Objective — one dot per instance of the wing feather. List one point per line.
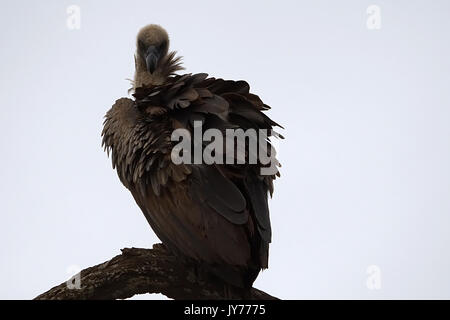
(217, 214)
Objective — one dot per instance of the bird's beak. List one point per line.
(151, 58)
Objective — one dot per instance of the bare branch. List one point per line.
(138, 271)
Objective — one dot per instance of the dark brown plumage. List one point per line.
(215, 215)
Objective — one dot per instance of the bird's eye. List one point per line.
(141, 46)
(163, 46)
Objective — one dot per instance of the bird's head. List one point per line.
(154, 62)
(152, 46)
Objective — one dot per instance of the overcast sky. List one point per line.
(365, 183)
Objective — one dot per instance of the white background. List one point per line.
(365, 177)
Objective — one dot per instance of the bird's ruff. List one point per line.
(168, 67)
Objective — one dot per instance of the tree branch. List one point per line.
(138, 271)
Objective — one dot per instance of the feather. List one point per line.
(216, 215)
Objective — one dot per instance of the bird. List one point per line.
(215, 216)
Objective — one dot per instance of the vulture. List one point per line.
(215, 215)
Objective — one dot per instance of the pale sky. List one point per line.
(365, 177)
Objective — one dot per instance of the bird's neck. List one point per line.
(144, 78)
(168, 66)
